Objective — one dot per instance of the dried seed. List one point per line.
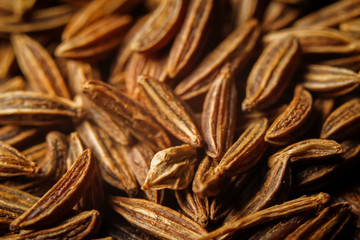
(318, 41)
(13, 163)
(77, 227)
(343, 121)
(144, 64)
(235, 49)
(112, 165)
(196, 208)
(59, 200)
(191, 38)
(138, 157)
(157, 220)
(13, 84)
(95, 39)
(17, 136)
(13, 203)
(285, 127)
(35, 109)
(330, 81)
(206, 183)
(219, 113)
(94, 11)
(329, 17)
(138, 120)
(326, 225)
(7, 59)
(274, 190)
(169, 110)
(171, 168)
(160, 27)
(308, 151)
(38, 66)
(279, 15)
(246, 151)
(286, 209)
(40, 20)
(271, 74)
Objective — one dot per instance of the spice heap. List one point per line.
(175, 119)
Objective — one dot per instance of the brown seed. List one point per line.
(112, 165)
(96, 39)
(296, 115)
(191, 39)
(318, 41)
(38, 66)
(196, 208)
(326, 225)
(246, 151)
(59, 200)
(77, 227)
(343, 121)
(170, 111)
(271, 74)
(40, 20)
(329, 17)
(13, 163)
(35, 109)
(138, 120)
(330, 81)
(13, 203)
(286, 209)
(160, 27)
(94, 11)
(235, 49)
(157, 220)
(219, 113)
(171, 168)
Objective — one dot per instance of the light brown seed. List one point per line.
(77, 227)
(271, 74)
(196, 208)
(53, 166)
(7, 59)
(152, 65)
(171, 168)
(191, 39)
(157, 220)
(35, 109)
(38, 66)
(13, 163)
(292, 207)
(138, 157)
(246, 151)
(329, 17)
(279, 15)
(309, 150)
(286, 127)
(274, 190)
(59, 200)
(138, 120)
(342, 122)
(112, 165)
(93, 12)
(326, 225)
(13, 203)
(160, 27)
(169, 110)
(40, 20)
(96, 39)
(13, 84)
(235, 49)
(318, 41)
(219, 113)
(17, 136)
(330, 81)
